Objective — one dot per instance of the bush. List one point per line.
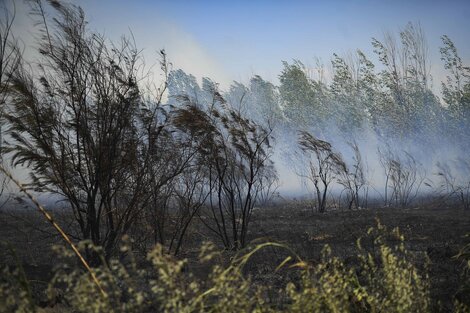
(382, 278)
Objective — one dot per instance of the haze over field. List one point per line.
(308, 66)
(317, 153)
(231, 43)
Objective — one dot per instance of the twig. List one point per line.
(58, 228)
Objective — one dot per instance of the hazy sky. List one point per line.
(231, 40)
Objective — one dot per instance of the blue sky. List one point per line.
(232, 40)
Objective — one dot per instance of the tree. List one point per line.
(10, 58)
(235, 152)
(10, 55)
(302, 98)
(353, 178)
(181, 83)
(323, 165)
(406, 77)
(176, 185)
(455, 182)
(404, 177)
(82, 127)
(345, 90)
(456, 89)
(265, 99)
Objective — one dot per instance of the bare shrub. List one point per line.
(323, 165)
(454, 185)
(404, 177)
(353, 179)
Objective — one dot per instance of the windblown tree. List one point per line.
(323, 165)
(180, 83)
(411, 105)
(346, 95)
(81, 127)
(369, 87)
(265, 98)
(353, 179)
(175, 185)
(10, 58)
(404, 176)
(303, 99)
(260, 100)
(456, 88)
(455, 183)
(235, 153)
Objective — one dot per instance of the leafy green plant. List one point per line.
(462, 304)
(15, 290)
(383, 278)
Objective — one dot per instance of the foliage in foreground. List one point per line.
(383, 278)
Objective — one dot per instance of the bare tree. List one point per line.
(404, 177)
(176, 186)
(323, 165)
(352, 178)
(454, 186)
(268, 187)
(385, 161)
(191, 193)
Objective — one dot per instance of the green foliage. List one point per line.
(462, 302)
(384, 281)
(302, 97)
(383, 278)
(456, 88)
(14, 292)
(392, 283)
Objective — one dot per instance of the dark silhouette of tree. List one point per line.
(323, 165)
(82, 128)
(10, 59)
(236, 154)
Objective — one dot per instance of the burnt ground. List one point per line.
(437, 230)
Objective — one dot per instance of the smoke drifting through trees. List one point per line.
(387, 107)
(88, 130)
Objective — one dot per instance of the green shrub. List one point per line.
(385, 280)
(15, 293)
(15, 290)
(462, 301)
(382, 278)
